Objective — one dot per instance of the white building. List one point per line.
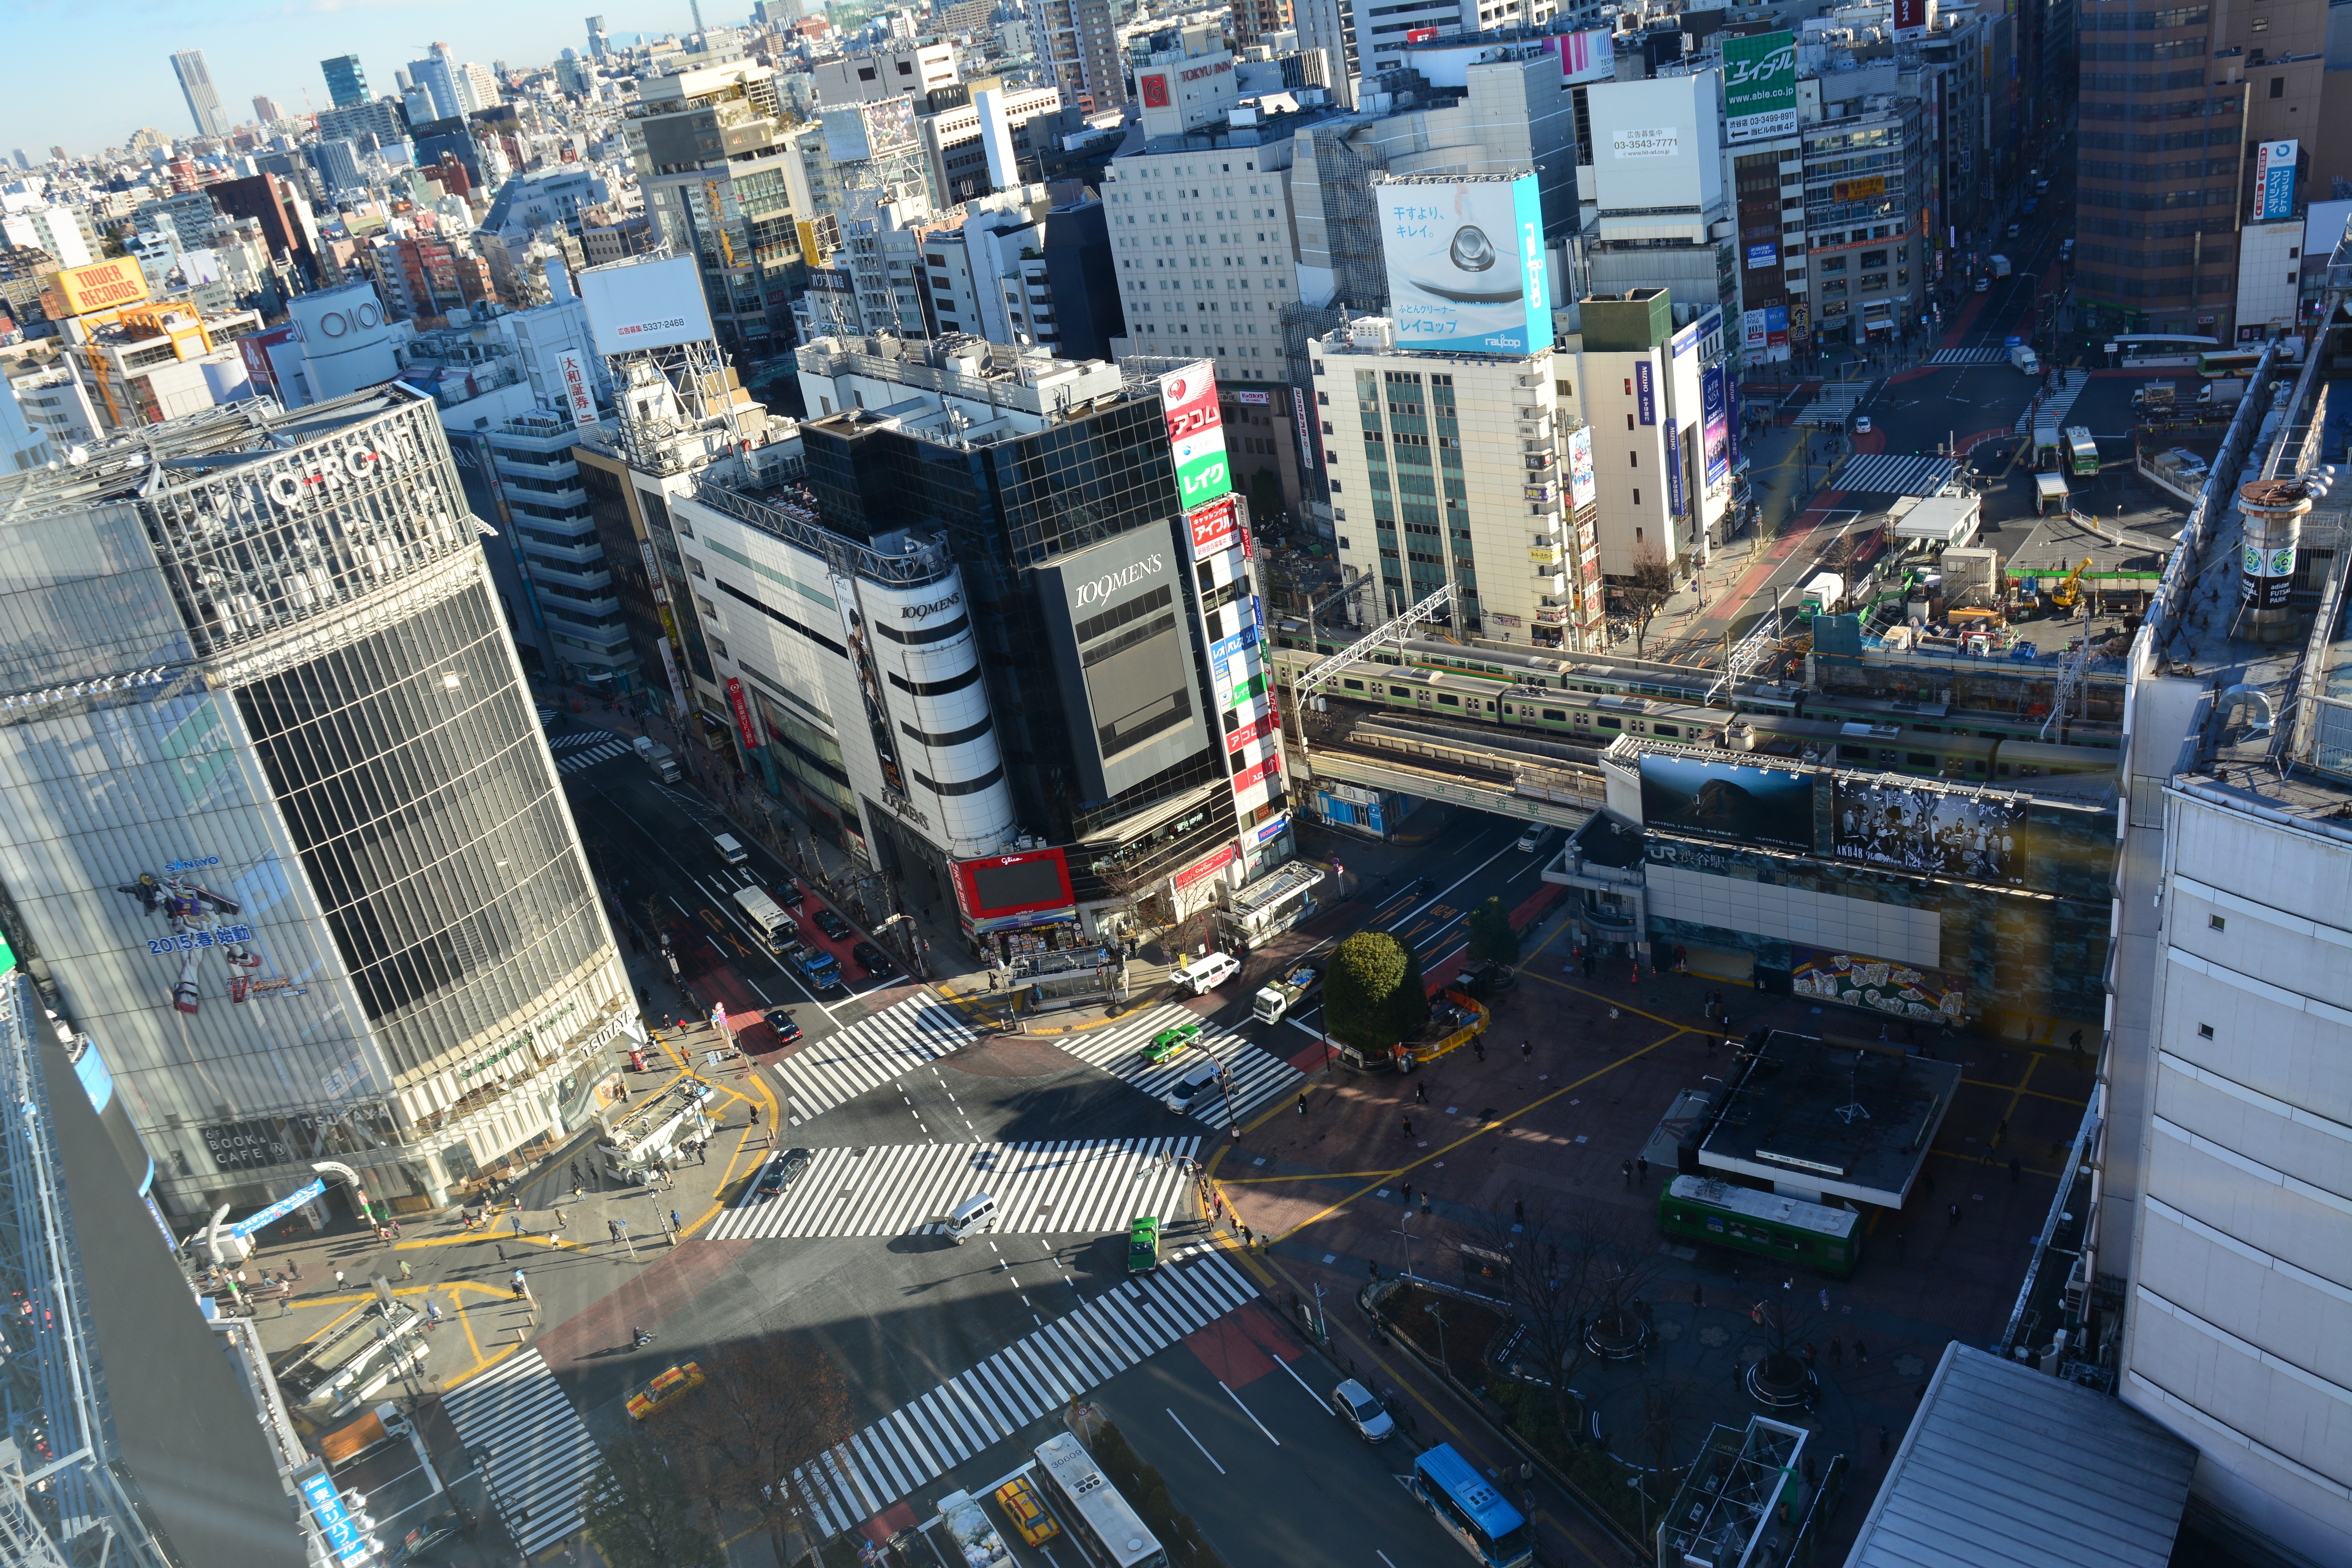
(1454, 468)
(1663, 218)
(1661, 467)
(55, 228)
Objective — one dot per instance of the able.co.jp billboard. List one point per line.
(1196, 431)
(1759, 87)
(1465, 264)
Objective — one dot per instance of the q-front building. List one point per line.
(284, 838)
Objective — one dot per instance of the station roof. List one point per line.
(1844, 1117)
(2005, 1467)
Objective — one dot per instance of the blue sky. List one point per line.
(86, 74)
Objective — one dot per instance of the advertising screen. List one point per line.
(1588, 56)
(1583, 489)
(1729, 801)
(1011, 884)
(1465, 264)
(1197, 434)
(1764, 255)
(1759, 86)
(2007, 839)
(1716, 428)
(648, 304)
(2274, 180)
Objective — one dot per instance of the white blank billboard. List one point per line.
(1656, 144)
(652, 304)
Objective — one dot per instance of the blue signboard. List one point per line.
(1645, 392)
(1674, 471)
(280, 1209)
(1715, 428)
(2274, 180)
(344, 1538)
(1763, 255)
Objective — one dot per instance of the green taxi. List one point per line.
(1143, 1243)
(1167, 1042)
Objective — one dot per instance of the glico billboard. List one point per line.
(1465, 264)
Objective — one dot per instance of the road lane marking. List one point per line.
(1196, 1442)
(1246, 1411)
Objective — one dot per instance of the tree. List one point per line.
(1374, 996)
(768, 1408)
(1646, 591)
(638, 1512)
(1491, 936)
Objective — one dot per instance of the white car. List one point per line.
(1535, 837)
(1187, 1089)
(1359, 1409)
(1861, 423)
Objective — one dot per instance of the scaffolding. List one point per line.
(62, 1504)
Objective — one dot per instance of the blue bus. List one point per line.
(1471, 1510)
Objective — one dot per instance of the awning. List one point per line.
(1283, 882)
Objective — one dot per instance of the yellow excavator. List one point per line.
(2066, 594)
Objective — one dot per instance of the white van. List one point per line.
(728, 849)
(1203, 975)
(976, 1216)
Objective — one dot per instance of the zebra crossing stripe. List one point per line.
(869, 1054)
(1085, 1188)
(1258, 1078)
(2072, 385)
(1889, 473)
(923, 1439)
(1968, 356)
(580, 738)
(533, 1446)
(572, 763)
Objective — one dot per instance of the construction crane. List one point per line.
(2066, 593)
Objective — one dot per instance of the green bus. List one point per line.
(1723, 1213)
(2082, 451)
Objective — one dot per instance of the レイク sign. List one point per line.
(1196, 432)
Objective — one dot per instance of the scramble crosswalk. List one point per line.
(869, 1054)
(585, 748)
(1036, 1375)
(1969, 356)
(1256, 1078)
(521, 1429)
(2072, 383)
(1892, 473)
(1087, 1187)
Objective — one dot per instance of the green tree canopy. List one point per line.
(1491, 936)
(1374, 997)
(638, 1514)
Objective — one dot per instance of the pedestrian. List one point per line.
(1526, 1052)
(575, 1176)
(702, 1152)
(519, 1287)
(1408, 1126)
(1629, 1173)
(1861, 1354)
(1809, 1355)
(2014, 1170)
(577, 1188)
(1642, 1168)
(1478, 1048)
(1245, 1237)
(1424, 1202)
(338, 1279)
(1825, 1298)
(1954, 1222)
(2074, 1043)
(673, 1224)
(2000, 1134)
(1518, 1211)
(1837, 1350)
(1698, 1295)
(294, 1267)
(1420, 1093)
(755, 1116)
(1408, 1194)
(404, 1268)
(1882, 1442)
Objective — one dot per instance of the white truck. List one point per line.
(767, 917)
(658, 757)
(2000, 266)
(1273, 1003)
(2226, 392)
(1821, 595)
(2024, 359)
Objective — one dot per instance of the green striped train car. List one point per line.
(1723, 1213)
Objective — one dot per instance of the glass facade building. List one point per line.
(284, 831)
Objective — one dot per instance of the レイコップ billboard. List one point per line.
(1196, 432)
(1759, 87)
(655, 303)
(1465, 264)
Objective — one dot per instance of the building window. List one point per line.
(693, 567)
(2217, 923)
(2278, 86)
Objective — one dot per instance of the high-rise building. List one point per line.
(196, 87)
(437, 73)
(266, 111)
(346, 81)
(21, 159)
(2163, 180)
(1254, 19)
(375, 124)
(599, 40)
(1081, 41)
(294, 846)
(477, 88)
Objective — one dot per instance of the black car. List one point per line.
(782, 1171)
(876, 961)
(832, 924)
(782, 1022)
(789, 893)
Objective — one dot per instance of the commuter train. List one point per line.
(1590, 703)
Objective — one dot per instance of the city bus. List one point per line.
(2227, 362)
(2082, 451)
(1790, 1230)
(2154, 350)
(1107, 1528)
(1471, 1510)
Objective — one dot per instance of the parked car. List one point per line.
(876, 961)
(1359, 1409)
(782, 1171)
(832, 924)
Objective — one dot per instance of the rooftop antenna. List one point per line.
(1854, 1110)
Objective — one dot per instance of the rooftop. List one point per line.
(964, 389)
(1835, 1115)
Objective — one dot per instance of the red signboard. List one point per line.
(1419, 35)
(1155, 90)
(1248, 777)
(1257, 729)
(736, 700)
(1212, 527)
(1910, 20)
(996, 885)
(1190, 397)
(254, 349)
(1209, 866)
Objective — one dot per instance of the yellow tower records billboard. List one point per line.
(102, 285)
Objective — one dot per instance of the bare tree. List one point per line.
(1625, 1268)
(769, 1406)
(1645, 592)
(1790, 1323)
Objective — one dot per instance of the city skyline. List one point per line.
(274, 53)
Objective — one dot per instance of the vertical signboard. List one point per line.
(869, 686)
(1465, 264)
(1645, 391)
(743, 725)
(1583, 489)
(1910, 21)
(671, 654)
(1715, 432)
(1759, 86)
(1197, 433)
(576, 388)
(1675, 469)
(2274, 180)
(1306, 430)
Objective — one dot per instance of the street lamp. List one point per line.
(1405, 1229)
